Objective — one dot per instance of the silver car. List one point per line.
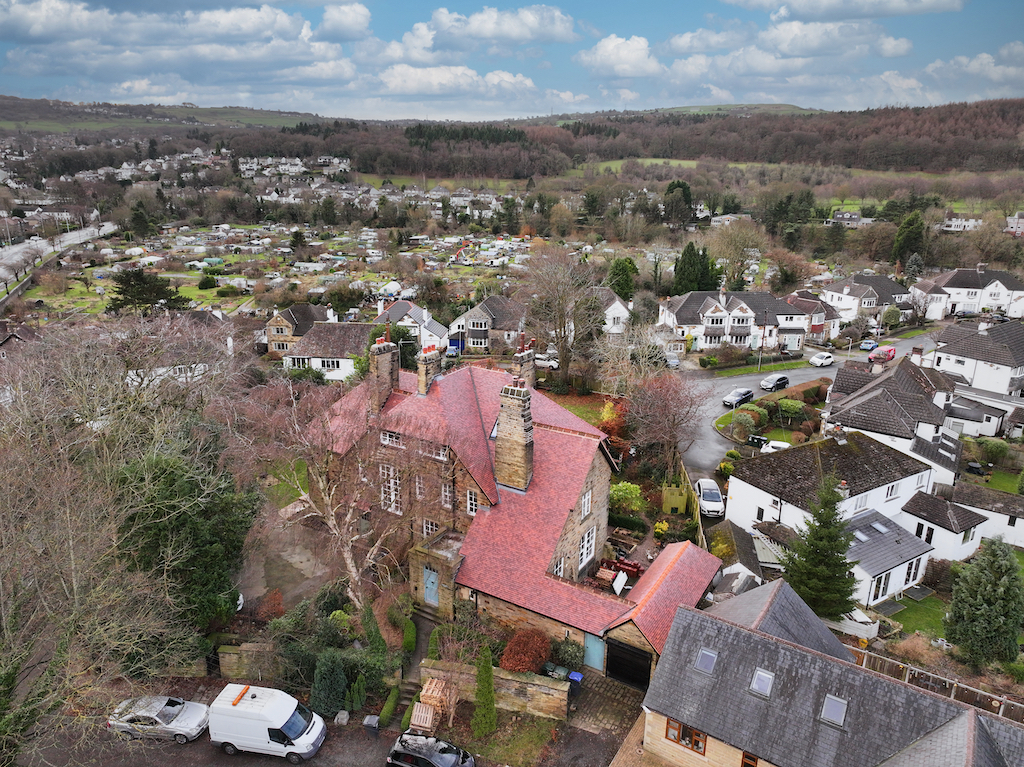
(158, 716)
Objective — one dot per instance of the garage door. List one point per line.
(628, 665)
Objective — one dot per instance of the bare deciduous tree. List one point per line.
(662, 416)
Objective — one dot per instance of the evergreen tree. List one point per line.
(330, 686)
(141, 292)
(620, 277)
(695, 271)
(987, 610)
(915, 265)
(816, 565)
(485, 715)
(909, 237)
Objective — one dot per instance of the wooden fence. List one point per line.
(998, 705)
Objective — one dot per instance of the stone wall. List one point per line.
(516, 618)
(245, 661)
(524, 693)
(568, 546)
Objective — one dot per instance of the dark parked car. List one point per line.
(774, 382)
(424, 751)
(737, 397)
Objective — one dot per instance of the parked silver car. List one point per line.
(158, 716)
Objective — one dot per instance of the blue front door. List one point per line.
(430, 580)
(593, 652)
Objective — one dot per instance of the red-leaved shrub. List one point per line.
(528, 650)
(798, 438)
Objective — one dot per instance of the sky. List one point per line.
(392, 59)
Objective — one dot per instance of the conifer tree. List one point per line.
(987, 609)
(816, 565)
(485, 715)
(328, 695)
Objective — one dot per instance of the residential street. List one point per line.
(11, 255)
(703, 456)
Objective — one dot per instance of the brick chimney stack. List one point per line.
(428, 367)
(522, 362)
(513, 448)
(383, 377)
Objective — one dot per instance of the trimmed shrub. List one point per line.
(627, 521)
(409, 637)
(388, 711)
(407, 718)
(485, 715)
(733, 455)
(528, 650)
(798, 438)
(743, 421)
(569, 653)
(329, 684)
(726, 469)
(660, 528)
(811, 395)
(228, 291)
(207, 281)
(712, 361)
(759, 413)
(807, 427)
(822, 392)
(791, 408)
(702, 361)
(432, 651)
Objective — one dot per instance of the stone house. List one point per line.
(286, 327)
(509, 514)
(490, 326)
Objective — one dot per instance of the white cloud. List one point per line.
(755, 62)
(983, 66)
(620, 94)
(1012, 53)
(686, 71)
(720, 95)
(890, 47)
(819, 38)
(844, 9)
(535, 23)
(707, 40)
(407, 80)
(345, 22)
(566, 97)
(619, 57)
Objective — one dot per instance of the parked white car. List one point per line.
(546, 361)
(822, 359)
(774, 446)
(709, 498)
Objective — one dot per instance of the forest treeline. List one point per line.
(975, 137)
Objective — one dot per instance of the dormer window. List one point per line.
(391, 439)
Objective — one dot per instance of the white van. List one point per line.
(264, 721)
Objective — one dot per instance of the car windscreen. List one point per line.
(171, 709)
(711, 494)
(297, 722)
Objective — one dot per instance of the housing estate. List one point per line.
(758, 681)
(504, 503)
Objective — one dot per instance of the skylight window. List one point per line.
(859, 535)
(762, 682)
(880, 527)
(833, 710)
(706, 660)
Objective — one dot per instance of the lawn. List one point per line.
(518, 743)
(730, 372)
(1000, 480)
(924, 616)
(588, 408)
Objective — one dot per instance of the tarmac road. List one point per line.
(702, 457)
(14, 253)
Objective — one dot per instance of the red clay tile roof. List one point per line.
(680, 575)
(509, 546)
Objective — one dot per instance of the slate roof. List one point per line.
(417, 314)
(606, 296)
(689, 307)
(884, 717)
(302, 316)
(885, 288)
(680, 575)
(941, 513)
(887, 546)
(333, 340)
(972, 410)
(975, 279)
(504, 313)
(929, 288)
(776, 610)
(956, 331)
(1001, 344)
(851, 378)
(810, 304)
(794, 474)
(986, 498)
(733, 545)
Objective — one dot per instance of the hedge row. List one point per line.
(627, 521)
(528, 650)
(388, 712)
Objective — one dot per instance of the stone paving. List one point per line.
(605, 706)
